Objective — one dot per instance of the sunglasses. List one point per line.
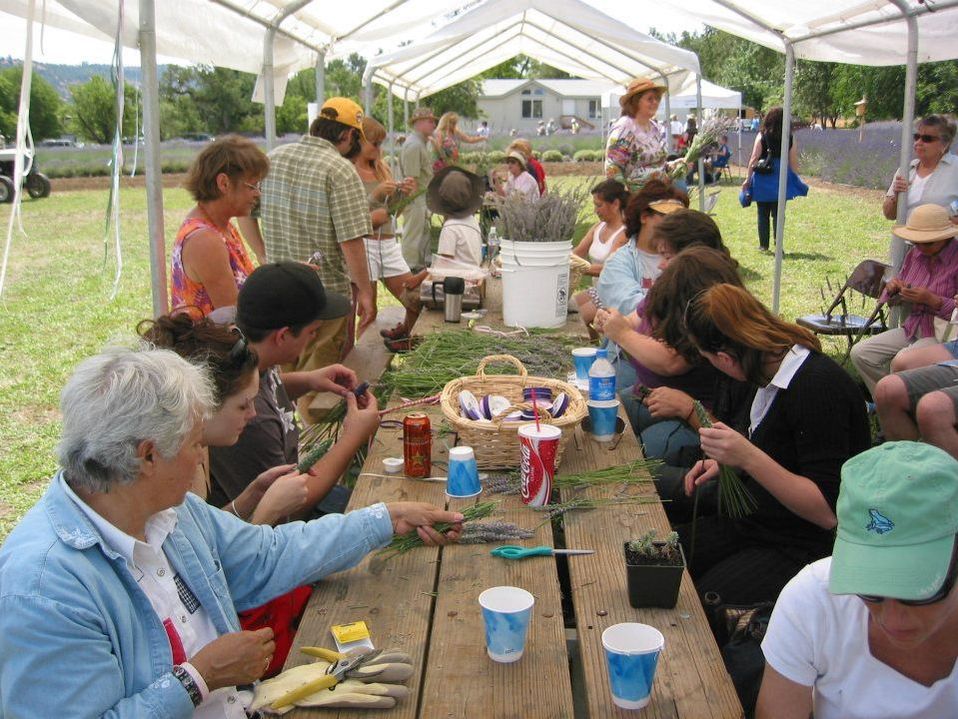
(938, 596)
(926, 138)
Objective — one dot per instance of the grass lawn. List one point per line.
(56, 307)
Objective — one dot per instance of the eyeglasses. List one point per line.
(926, 138)
(258, 186)
(938, 596)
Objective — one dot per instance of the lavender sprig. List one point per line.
(489, 532)
(734, 498)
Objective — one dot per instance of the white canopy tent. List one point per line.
(299, 33)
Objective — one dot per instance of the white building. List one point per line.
(521, 104)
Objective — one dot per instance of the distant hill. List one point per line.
(62, 76)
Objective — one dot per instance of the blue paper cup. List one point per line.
(632, 653)
(583, 357)
(602, 416)
(463, 480)
(506, 612)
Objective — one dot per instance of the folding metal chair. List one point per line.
(868, 279)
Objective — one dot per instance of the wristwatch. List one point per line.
(186, 679)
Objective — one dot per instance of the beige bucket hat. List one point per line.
(927, 223)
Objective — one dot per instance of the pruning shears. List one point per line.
(334, 674)
(512, 551)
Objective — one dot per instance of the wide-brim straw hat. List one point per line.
(638, 86)
(667, 207)
(518, 157)
(455, 192)
(927, 223)
(421, 113)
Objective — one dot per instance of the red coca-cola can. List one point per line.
(417, 445)
(538, 447)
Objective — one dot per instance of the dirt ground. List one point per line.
(556, 169)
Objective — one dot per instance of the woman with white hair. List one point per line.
(119, 590)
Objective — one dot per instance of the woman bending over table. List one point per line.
(806, 419)
(209, 262)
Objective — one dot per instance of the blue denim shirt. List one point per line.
(79, 638)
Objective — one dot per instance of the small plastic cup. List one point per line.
(506, 612)
(602, 416)
(463, 480)
(632, 654)
(583, 357)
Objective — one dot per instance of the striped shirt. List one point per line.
(937, 273)
(312, 201)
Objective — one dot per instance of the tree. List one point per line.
(221, 97)
(45, 105)
(94, 109)
(815, 94)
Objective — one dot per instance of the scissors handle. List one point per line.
(511, 551)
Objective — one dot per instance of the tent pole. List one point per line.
(269, 99)
(321, 77)
(405, 109)
(897, 253)
(668, 115)
(151, 134)
(368, 92)
(701, 160)
(389, 115)
(783, 174)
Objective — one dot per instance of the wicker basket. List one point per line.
(577, 268)
(496, 443)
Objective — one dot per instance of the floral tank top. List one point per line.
(447, 152)
(183, 290)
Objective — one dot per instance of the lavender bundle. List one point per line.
(490, 532)
(404, 542)
(506, 483)
(622, 474)
(557, 511)
(734, 498)
(711, 131)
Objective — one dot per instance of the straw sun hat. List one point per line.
(518, 157)
(927, 223)
(637, 87)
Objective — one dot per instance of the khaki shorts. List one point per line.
(384, 258)
(936, 378)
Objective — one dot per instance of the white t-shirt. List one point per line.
(524, 184)
(818, 639)
(462, 240)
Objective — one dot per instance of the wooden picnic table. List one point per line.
(424, 602)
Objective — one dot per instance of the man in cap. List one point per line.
(872, 631)
(456, 194)
(314, 208)
(415, 161)
(279, 309)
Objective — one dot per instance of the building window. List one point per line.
(532, 109)
(595, 109)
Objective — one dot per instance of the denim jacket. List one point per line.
(79, 638)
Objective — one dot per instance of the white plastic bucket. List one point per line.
(535, 283)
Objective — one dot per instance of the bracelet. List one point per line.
(233, 507)
(689, 415)
(189, 684)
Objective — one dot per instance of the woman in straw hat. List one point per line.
(636, 150)
(519, 180)
(927, 284)
(872, 631)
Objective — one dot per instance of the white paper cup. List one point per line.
(632, 654)
(506, 612)
(463, 479)
(583, 357)
(602, 416)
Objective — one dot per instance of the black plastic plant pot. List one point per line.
(653, 585)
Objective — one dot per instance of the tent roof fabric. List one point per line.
(568, 34)
(564, 88)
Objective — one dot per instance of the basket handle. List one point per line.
(481, 371)
(545, 416)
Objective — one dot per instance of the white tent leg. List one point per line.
(405, 109)
(701, 161)
(897, 254)
(151, 134)
(668, 119)
(321, 78)
(783, 174)
(368, 92)
(389, 116)
(269, 99)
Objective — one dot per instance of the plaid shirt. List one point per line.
(313, 200)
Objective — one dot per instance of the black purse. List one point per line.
(764, 166)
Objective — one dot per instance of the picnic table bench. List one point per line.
(424, 602)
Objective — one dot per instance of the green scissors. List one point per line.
(511, 551)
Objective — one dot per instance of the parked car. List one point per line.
(60, 142)
(197, 137)
(36, 183)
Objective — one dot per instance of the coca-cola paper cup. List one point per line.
(537, 462)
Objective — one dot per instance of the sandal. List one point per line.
(402, 344)
(398, 332)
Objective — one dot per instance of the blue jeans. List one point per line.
(661, 438)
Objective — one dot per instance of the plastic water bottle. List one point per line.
(601, 377)
(493, 243)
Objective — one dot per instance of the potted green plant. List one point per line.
(654, 570)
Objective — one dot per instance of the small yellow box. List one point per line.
(352, 632)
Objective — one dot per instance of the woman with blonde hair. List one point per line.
(383, 250)
(209, 262)
(807, 417)
(445, 141)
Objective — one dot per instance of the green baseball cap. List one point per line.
(897, 520)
